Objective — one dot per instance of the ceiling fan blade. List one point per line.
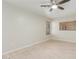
(45, 5)
(61, 8)
(64, 1)
(50, 9)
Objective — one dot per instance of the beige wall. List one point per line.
(69, 36)
(21, 28)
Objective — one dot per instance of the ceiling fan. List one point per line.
(54, 5)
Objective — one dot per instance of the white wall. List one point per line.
(21, 28)
(69, 36)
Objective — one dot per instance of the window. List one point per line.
(70, 25)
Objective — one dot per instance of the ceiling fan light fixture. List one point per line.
(54, 6)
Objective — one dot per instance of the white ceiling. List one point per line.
(34, 6)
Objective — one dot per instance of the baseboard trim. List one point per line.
(29, 45)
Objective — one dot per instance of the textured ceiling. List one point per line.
(34, 6)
